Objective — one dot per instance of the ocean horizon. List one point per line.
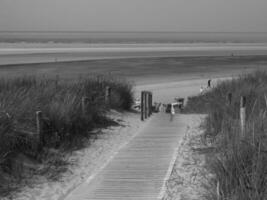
(40, 47)
(130, 37)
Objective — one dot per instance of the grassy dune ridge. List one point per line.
(239, 163)
(64, 124)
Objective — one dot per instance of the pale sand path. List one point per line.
(140, 169)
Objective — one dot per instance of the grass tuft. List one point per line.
(239, 162)
(66, 127)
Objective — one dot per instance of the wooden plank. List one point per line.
(140, 169)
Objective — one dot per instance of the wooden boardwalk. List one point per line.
(140, 169)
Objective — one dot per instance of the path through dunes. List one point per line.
(140, 169)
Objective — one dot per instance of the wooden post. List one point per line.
(243, 115)
(39, 127)
(218, 190)
(84, 105)
(147, 104)
(107, 95)
(229, 98)
(142, 105)
(150, 103)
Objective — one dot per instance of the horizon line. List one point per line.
(104, 31)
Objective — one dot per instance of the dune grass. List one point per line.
(238, 162)
(65, 125)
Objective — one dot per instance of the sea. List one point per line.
(131, 37)
(38, 47)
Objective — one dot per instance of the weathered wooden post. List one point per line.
(147, 104)
(229, 98)
(150, 103)
(243, 115)
(142, 105)
(218, 190)
(107, 95)
(39, 127)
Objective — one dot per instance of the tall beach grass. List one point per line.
(65, 125)
(239, 162)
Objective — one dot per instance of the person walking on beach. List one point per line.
(172, 112)
(209, 83)
(201, 90)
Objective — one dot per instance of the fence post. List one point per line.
(151, 103)
(218, 190)
(229, 98)
(39, 127)
(147, 104)
(107, 95)
(145, 107)
(243, 114)
(142, 105)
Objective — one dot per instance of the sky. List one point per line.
(134, 15)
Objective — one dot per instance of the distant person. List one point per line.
(172, 112)
(209, 83)
(201, 90)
